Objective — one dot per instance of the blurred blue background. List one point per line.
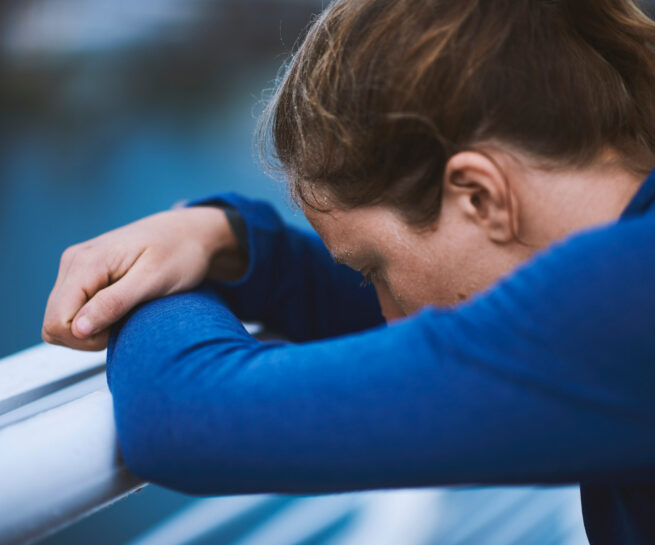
(112, 110)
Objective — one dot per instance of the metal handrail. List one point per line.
(59, 458)
(59, 462)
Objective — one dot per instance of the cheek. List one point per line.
(415, 285)
(400, 296)
(408, 294)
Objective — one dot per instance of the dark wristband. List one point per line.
(237, 224)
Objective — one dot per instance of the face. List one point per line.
(409, 267)
(469, 246)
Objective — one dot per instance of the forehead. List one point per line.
(348, 233)
(335, 226)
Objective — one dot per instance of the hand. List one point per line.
(102, 279)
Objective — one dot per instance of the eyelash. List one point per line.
(367, 280)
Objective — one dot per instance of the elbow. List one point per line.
(156, 447)
(139, 421)
(139, 408)
(160, 425)
(167, 369)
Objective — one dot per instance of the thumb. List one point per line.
(110, 304)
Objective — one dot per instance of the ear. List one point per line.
(476, 185)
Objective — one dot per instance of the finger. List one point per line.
(111, 303)
(65, 262)
(84, 276)
(95, 342)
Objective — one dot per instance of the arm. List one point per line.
(292, 284)
(546, 378)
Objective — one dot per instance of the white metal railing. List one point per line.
(59, 461)
(59, 458)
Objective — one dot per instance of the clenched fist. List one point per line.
(102, 279)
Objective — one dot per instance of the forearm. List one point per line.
(290, 283)
(444, 397)
(203, 407)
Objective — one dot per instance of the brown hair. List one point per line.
(381, 93)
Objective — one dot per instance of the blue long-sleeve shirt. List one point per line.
(546, 377)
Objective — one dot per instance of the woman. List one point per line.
(485, 165)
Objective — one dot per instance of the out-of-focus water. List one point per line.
(97, 131)
(59, 189)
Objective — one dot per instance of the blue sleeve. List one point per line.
(548, 377)
(292, 285)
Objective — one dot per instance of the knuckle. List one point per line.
(48, 329)
(49, 338)
(50, 318)
(70, 252)
(45, 335)
(55, 329)
(75, 251)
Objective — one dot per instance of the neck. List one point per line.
(561, 202)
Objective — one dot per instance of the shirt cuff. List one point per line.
(234, 218)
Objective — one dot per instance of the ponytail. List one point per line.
(624, 37)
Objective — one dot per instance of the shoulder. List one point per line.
(582, 313)
(608, 267)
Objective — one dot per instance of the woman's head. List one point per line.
(383, 95)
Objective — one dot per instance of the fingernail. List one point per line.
(84, 326)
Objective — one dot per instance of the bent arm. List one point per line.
(546, 378)
(292, 284)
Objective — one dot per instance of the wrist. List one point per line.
(228, 260)
(219, 235)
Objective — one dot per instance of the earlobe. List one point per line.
(477, 186)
